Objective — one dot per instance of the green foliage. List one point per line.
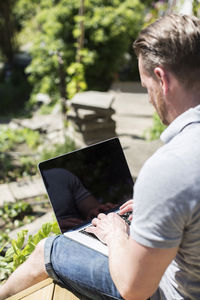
(14, 215)
(27, 167)
(110, 27)
(7, 29)
(9, 138)
(14, 87)
(20, 249)
(58, 149)
(157, 128)
(51, 29)
(12, 211)
(46, 109)
(110, 30)
(14, 91)
(76, 79)
(3, 238)
(13, 167)
(196, 8)
(157, 9)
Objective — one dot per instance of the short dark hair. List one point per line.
(173, 42)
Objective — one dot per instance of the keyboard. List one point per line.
(124, 217)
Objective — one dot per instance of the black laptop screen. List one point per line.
(88, 181)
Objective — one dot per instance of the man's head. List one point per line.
(173, 42)
(169, 52)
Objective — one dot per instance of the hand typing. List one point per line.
(127, 207)
(108, 227)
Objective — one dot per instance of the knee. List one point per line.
(37, 260)
(39, 249)
(38, 253)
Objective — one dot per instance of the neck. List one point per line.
(180, 100)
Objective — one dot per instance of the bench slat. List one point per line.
(45, 290)
(63, 294)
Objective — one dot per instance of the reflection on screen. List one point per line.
(86, 182)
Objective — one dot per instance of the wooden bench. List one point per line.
(45, 290)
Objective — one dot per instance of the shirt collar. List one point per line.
(190, 116)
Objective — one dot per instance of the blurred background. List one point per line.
(60, 47)
(50, 51)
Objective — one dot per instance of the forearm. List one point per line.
(135, 269)
(126, 270)
(117, 249)
(121, 267)
(122, 255)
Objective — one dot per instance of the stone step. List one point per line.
(34, 226)
(5, 194)
(22, 189)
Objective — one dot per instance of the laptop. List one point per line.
(85, 182)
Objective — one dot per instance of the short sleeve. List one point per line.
(160, 209)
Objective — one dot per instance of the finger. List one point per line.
(95, 221)
(91, 229)
(101, 216)
(112, 214)
(126, 209)
(94, 230)
(126, 203)
(130, 218)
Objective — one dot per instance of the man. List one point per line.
(160, 257)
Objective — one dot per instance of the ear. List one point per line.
(163, 79)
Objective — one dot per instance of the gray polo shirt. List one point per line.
(167, 206)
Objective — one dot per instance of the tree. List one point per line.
(109, 29)
(14, 88)
(7, 30)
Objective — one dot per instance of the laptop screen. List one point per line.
(85, 182)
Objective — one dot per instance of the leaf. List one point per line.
(46, 229)
(15, 247)
(55, 228)
(1, 249)
(9, 253)
(20, 238)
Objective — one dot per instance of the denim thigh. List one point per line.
(80, 269)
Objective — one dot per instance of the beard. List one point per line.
(160, 106)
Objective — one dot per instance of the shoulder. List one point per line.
(160, 170)
(162, 200)
(175, 164)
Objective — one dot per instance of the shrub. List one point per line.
(14, 91)
(109, 30)
(19, 251)
(14, 165)
(58, 149)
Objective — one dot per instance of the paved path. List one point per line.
(133, 117)
(22, 189)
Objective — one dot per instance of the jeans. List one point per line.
(81, 270)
